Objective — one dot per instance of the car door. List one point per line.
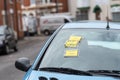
(13, 39)
(10, 37)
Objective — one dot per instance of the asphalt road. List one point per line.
(28, 48)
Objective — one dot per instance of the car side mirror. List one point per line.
(23, 64)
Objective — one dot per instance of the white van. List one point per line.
(48, 24)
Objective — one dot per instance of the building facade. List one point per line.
(85, 9)
(11, 15)
(115, 10)
(65, 5)
(72, 7)
(44, 6)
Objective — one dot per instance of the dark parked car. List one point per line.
(7, 40)
(77, 51)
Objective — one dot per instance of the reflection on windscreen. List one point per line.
(111, 45)
(98, 50)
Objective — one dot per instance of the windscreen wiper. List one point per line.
(113, 73)
(65, 70)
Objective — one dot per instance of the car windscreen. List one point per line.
(84, 49)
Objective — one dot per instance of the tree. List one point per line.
(97, 10)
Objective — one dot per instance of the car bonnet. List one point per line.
(36, 75)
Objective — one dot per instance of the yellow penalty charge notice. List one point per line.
(75, 38)
(71, 53)
(71, 43)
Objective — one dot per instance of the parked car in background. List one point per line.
(48, 24)
(77, 51)
(8, 40)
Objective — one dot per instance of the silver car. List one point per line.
(7, 40)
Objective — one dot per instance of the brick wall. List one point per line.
(1, 9)
(18, 18)
(26, 3)
(13, 17)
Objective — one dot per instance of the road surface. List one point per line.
(28, 48)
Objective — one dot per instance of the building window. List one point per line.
(46, 1)
(38, 1)
(32, 1)
(82, 15)
(11, 1)
(116, 16)
(43, 1)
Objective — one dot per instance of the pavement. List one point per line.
(28, 40)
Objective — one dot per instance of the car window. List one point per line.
(7, 31)
(1, 31)
(97, 50)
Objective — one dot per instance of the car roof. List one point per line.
(91, 25)
(55, 16)
(3, 26)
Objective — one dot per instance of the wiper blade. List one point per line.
(66, 71)
(105, 71)
(113, 73)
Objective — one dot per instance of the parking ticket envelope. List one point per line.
(76, 38)
(71, 53)
(71, 43)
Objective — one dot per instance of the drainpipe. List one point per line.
(16, 18)
(5, 8)
(56, 1)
